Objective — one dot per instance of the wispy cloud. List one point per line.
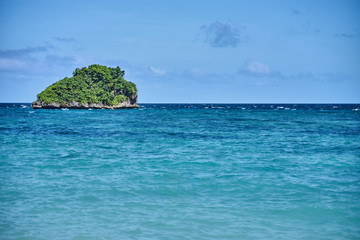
(20, 59)
(60, 39)
(9, 64)
(354, 34)
(337, 77)
(253, 68)
(53, 59)
(14, 53)
(254, 72)
(222, 35)
(304, 29)
(34, 60)
(158, 71)
(302, 76)
(295, 11)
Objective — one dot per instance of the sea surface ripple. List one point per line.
(181, 171)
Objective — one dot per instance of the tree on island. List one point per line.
(96, 84)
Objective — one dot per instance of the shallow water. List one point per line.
(181, 171)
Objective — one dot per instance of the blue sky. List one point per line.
(187, 51)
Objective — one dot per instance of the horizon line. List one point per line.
(218, 103)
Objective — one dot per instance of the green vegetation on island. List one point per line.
(93, 84)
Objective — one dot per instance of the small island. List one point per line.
(95, 86)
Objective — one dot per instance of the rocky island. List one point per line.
(95, 86)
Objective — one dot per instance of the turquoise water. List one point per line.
(181, 172)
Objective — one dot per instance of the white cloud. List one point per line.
(255, 68)
(221, 35)
(196, 72)
(158, 71)
(8, 64)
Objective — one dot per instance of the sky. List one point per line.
(256, 51)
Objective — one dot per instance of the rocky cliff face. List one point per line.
(131, 103)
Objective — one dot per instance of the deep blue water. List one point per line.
(183, 171)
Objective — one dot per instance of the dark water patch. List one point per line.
(66, 132)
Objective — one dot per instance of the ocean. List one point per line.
(181, 171)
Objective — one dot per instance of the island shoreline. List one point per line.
(76, 105)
